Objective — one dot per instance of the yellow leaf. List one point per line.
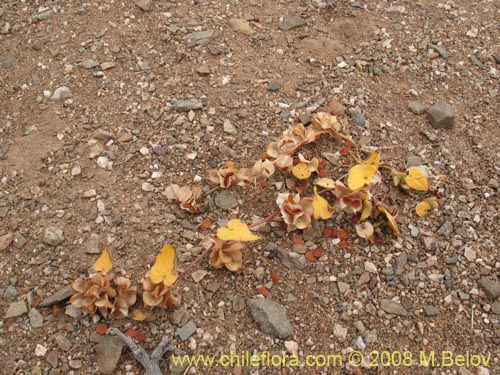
(327, 183)
(140, 316)
(236, 231)
(360, 175)
(321, 207)
(416, 179)
(367, 209)
(104, 263)
(432, 202)
(390, 221)
(229, 164)
(301, 171)
(163, 269)
(373, 159)
(422, 209)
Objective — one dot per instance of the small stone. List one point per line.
(53, 236)
(274, 86)
(473, 32)
(36, 319)
(75, 364)
(10, 292)
(225, 200)
(40, 350)
(52, 359)
(392, 307)
(446, 229)
(186, 330)
(102, 135)
(470, 254)
(417, 107)
(229, 128)
(305, 118)
(76, 171)
(16, 309)
(291, 259)
(144, 66)
(186, 105)
(400, 263)
(271, 317)
(358, 118)
(8, 62)
(441, 115)
(238, 304)
(495, 308)
(144, 4)
(93, 244)
(107, 65)
(292, 347)
(343, 287)
(199, 38)
(108, 353)
(291, 23)
(491, 288)
(62, 93)
(199, 275)
(339, 331)
(399, 9)
(431, 310)
(147, 186)
(60, 296)
(63, 343)
(441, 50)
(203, 70)
(5, 241)
(102, 162)
(45, 15)
(241, 25)
(89, 64)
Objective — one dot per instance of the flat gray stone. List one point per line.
(441, 50)
(8, 62)
(274, 86)
(431, 310)
(89, 64)
(225, 200)
(108, 353)
(417, 107)
(144, 4)
(400, 263)
(60, 296)
(16, 309)
(62, 93)
(53, 236)
(238, 304)
(291, 23)
(495, 308)
(441, 115)
(19, 241)
(291, 259)
(200, 38)
(271, 317)
(36, 319)
(186, 105)
(491, 288)
(392, 307)
(186, 330)
(6, 240)
(358, 118)
(229, 128)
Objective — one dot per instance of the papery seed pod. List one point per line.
(227, 254)
(157, 294)
(93, 293)
(125, 298)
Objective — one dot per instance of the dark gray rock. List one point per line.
(271, 317)
(60, 296)
(186, 330)
(36, 319)
(358, 118)
(238, 304)
(291, 23)
(441, 115)
(490, 287)
(431, 310)
(417, 107)
(441, 50)
(108, 353)
(53, 236)
(274, 86)
(392, 307)
(186, 105)
(225, 200)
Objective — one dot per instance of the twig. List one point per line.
(150, 364)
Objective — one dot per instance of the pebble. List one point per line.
(441, 115)
(60, 296)
(89, 64)
(198, 275)
(186, 105)
(392, 307)
(107, 65)
(238, 304)
(8, 62)
(186, 330)
(491, 288)
(358, 118)
(241, 25)
(470, 254)
(40, 350)
(63, 343)
(271, 317)
(147, 186)
(144, 4)
(274, 86)
(199, 38)
(441, 50)
(339, 331)
(75, 364)
(62, 93)
(292, 347)
(5, 240)
(292, 23)
(431, 310)
(36, 319)
(76, 171)
(400, 263)
(16, 309)
(52, 359)
(108, 353)
(399, 9)
(446, 229)
(225, 200)
(291, 259)
(102, 162)
(417, 107)
(203, 70)
(53, 236)
(229, 128)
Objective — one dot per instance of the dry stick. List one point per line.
(150, 363)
